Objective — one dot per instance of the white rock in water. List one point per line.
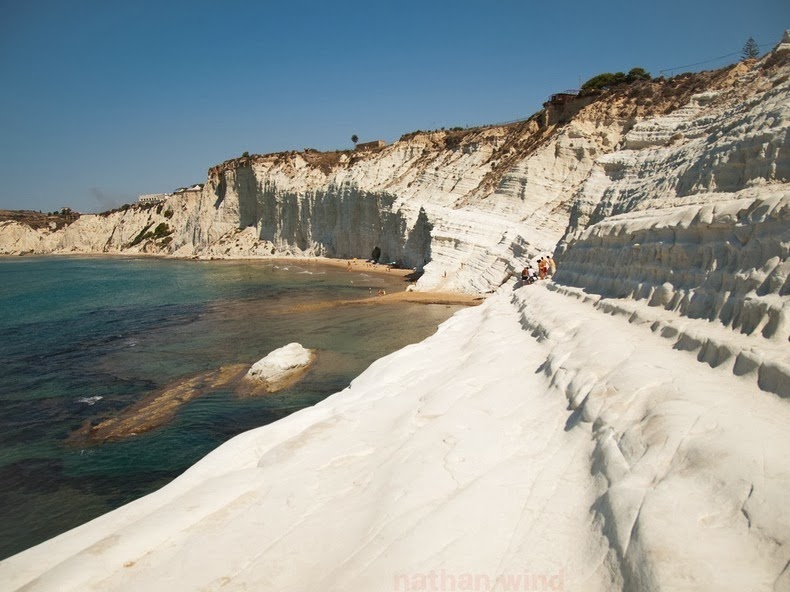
(281, 364)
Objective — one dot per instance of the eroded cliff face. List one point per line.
(667, 206)
(468, 207)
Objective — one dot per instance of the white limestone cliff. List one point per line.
(471, 204)
(620, 427)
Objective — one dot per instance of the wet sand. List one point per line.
(351, 265)
(393, 298)
(359, 265)
(423, 298)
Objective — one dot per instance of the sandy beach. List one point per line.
(360, 265)
(351, 265)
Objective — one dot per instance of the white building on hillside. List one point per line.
(150, 198)
(187, 191)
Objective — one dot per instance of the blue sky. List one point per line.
(101, 101)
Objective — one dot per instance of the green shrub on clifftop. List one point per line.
(607, 79)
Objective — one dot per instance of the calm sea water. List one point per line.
(83, 338)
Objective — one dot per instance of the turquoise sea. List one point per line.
(83, 338)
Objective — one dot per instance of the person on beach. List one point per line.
(552, 265)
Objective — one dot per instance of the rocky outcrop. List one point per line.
(550, 427)
(280, 368)
(687, 227)
(467, 207)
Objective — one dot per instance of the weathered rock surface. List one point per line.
(670, 194)
(622, 427)
(281, 367)
(468, 205)
(156, 409)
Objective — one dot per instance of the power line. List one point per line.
(729, 55)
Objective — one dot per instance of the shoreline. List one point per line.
(351, 265)
(406, 296)
(159, 407)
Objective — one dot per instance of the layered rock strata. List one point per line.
(668, 193)
(552, 427)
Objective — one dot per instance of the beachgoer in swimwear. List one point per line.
(541, 268)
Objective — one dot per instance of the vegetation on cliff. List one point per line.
(39, 220)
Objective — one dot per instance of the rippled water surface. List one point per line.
(83, 338)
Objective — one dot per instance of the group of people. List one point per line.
(546, 268)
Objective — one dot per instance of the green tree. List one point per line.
(355, 139)
(604, 80)
(635, 74)
(750, 49)
(607, 79)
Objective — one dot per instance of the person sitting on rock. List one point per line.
(527, 276)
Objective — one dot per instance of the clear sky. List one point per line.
(103, 100)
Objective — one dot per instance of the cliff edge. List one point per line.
(622, 426)
(468, 206)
